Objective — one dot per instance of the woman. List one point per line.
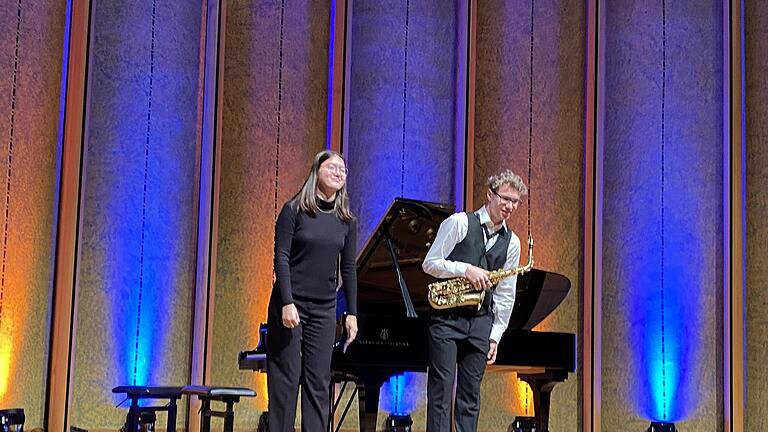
(314, 237)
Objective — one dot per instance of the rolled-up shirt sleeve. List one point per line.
(451, 232)
(504, 295)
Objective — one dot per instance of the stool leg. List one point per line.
(171, 425)
(205, 420)
(229, 418)
(133, 416)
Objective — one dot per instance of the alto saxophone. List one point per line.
(459, 291)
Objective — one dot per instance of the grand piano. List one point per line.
(393, 311)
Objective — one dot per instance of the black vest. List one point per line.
(471, 250)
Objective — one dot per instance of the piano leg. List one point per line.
(541, 387)
(368, 398)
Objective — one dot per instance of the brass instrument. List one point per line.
(459, 291)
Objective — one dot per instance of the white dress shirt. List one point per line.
(452, 231)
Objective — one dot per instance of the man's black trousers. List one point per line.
(458, 346)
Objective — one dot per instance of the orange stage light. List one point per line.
(521, 402)
(11, 333)
(12, 320)
(6, 342)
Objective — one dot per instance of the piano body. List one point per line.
(393, 311)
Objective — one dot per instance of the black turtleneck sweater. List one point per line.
(306, 251)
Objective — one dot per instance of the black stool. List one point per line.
(12, 420)
(135, 412)
(228, 395)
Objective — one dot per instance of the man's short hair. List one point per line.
(508, 177)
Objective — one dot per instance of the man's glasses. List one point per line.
(506, 200)
(337, 169)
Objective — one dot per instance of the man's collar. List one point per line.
(485, 220)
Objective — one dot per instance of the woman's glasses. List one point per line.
(336, 169)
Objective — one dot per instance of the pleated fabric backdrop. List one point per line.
(663, 201)
(530, 118)
(274, 121)
(756, 55)
(139, 205)
(400, 135)
(30, 86)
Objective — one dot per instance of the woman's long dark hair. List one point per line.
(306, 199)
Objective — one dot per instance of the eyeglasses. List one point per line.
(506, 200)
(337, 169)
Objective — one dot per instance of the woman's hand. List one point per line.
(351, 325)
(290, 316)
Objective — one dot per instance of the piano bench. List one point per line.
(228, 395)
(135, 412)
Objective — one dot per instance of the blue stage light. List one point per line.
(398, 395)
(661, 427)
(398, 422)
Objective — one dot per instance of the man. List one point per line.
(469, 245)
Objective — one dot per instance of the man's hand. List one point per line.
(351, 325)
(290, 316)
(478, 277)
(492, 352)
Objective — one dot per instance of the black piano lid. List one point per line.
(412, 226)
(539, 292)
